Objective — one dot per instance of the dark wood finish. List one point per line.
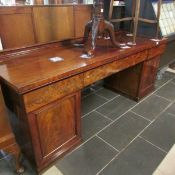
(154, 52)
(7, 138)
(55, 129)
(114, 67)
(45, 96)
(16, 27)
(149, 73)
(53, 23)
(40, 97)
(138, 81)
(82, 16)
(126, 81)
(23, 26)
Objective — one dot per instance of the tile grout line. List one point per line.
(134, 105)
(124, 148)
(140, 116)
(102, 97)
(105, 97)
(116, 119)
(173, 82)
(98, 107)
(163, 97)
(153, 144)
(3, 158)
(108, 143)
(93, 92)
(4, 155)
(104, 116)
(134, 139)
(173, 115)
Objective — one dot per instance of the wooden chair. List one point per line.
(7, 139)
(135, 17)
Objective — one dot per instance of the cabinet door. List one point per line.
(148, 76)
(55, 129)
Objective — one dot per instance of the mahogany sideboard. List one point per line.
(45, 96)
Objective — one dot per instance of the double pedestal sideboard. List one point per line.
(45, 95)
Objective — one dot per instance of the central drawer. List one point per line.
(101, 72)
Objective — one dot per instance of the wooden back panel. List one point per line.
(82, 16)
(25, 26)
(16, 27)
(53, 23)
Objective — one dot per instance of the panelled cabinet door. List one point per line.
(149, 75)
(55, 128)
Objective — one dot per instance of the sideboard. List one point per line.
(45, 95)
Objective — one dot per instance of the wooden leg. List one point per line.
(17, 156)
(16, 152)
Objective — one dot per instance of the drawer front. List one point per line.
(40, 97)
(156, 51)
(114, 67)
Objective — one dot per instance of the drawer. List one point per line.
(101, 72)
(40, 97)
(156, 51)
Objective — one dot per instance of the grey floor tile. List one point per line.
(124, 130)
(87, 91)
(165, 77)
(140, 158)
(173, 80)
(107, 93)
(97, 85)
(1, 155)
(92, 123)
(116, 107)
(167, 91)
(161, 132)
(151, 107)
(91, 102)
(171, 109)
(88, 159)
(7, 167)
(92, 88)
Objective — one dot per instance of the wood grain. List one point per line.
(16, 30)
(111, 68)
(40, 97)
(156, 51)
(55, 129)
(53, 23)
(83, 14)
(45, 96)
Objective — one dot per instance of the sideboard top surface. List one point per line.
(25, 72)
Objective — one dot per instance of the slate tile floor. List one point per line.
(120, 136)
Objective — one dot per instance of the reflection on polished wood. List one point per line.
(45, 96)
(82, 15)
(53, 23)
(23, 26)
(16, 27)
